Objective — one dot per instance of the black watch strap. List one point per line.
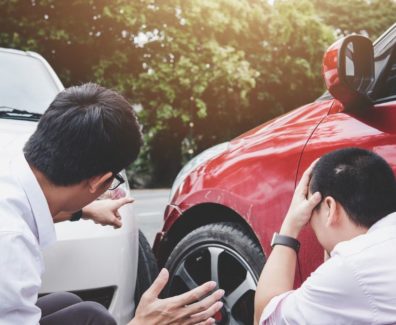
(76, 216)
(285, 241)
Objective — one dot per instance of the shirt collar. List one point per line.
(389, 220)
(38, 203)
(386, 221)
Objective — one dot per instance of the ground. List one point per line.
(149, 210)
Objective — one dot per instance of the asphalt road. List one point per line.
(149, 210)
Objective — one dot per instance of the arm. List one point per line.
(20, 278)
(104, 212)
(277, 276)
(184, 309)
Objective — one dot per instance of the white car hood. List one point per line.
(14, 134)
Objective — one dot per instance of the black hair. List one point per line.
(86, 131)
(360, 180)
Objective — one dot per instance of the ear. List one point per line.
(331, 206)
(97, 183)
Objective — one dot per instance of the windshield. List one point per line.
(25, 83)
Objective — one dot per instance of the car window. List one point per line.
(25, 83)
(386, 89)
(390, 83)
(385, 42)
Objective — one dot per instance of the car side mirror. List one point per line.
(348, 70)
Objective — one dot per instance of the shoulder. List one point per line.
(365, 250)
(18, 243)
(330, 295)
(14, 205)
(336, 283)
(12, 217)
(354, 246)
(16, 238)
(335, 273)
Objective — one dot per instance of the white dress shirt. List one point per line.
(357, 285)
(26, 226)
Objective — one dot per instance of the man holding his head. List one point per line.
(349, 199)
(84, 139)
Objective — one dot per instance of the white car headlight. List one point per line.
(203, 157)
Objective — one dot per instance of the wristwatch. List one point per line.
(285, 241)
(76, 216)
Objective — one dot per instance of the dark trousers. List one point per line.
(64, 308)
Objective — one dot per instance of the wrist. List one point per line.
(289, 230)
(76, 216)
(284, 240)
(86, 213)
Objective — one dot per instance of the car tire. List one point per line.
(147, 268)
(226, 253)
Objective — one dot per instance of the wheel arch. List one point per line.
(197, 216)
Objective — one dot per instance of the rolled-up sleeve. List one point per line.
(329, 296)
(20, 279)
(272, 313)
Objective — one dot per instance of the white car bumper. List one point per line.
(88, 256)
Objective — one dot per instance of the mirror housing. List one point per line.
(348, 70)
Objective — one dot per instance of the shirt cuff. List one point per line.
(271, 312)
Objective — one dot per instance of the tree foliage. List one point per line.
(371, 17)
(198, 72)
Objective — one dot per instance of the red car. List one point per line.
(227, 202)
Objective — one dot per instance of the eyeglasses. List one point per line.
(118, 180)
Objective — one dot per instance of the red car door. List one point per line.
(372, 127)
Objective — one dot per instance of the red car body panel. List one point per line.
(257, 174)
(246, 177)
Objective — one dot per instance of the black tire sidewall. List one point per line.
(226, 234)
(147, 270)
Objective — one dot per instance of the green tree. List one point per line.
(199, 71)
(213, 69)
(72, 35)
(357, 16)
(289, 60)
(190, 73)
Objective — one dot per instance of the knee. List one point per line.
(58, 300)
(96, 313)
(68, 297)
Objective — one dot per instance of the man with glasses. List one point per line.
(82, 142)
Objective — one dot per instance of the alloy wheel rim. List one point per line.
(228, 268)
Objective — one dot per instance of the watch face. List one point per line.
(285, 241)
(273, 239)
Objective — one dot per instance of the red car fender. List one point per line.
(246, 177)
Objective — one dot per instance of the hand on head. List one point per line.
(302, 205)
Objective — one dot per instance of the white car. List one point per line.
(97, 263)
